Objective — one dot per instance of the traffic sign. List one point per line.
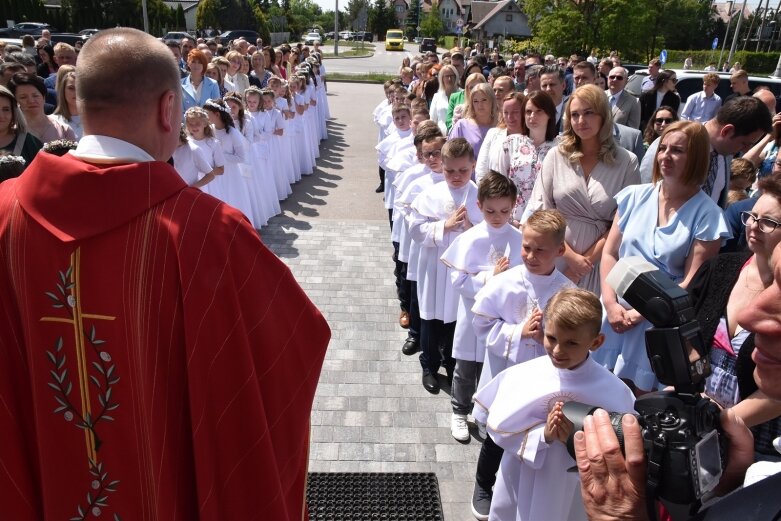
(417, 28)
(458, 29)
(715, 43)
(663, 56)
(460, 22)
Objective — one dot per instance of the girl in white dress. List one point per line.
(201, 135)
(281, 143)
(229, 187)
(302, 106)
(274, 127)
(263, 174)
(192, 163)
(320, 96)
(310, 118)
(282, 102)
(260, 209)
(305, 160)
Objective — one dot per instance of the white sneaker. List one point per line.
(481, 430)
(458, 427)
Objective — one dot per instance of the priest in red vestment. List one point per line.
(157, 362)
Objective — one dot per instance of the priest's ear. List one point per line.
(597, 342)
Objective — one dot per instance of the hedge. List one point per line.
(753, 62)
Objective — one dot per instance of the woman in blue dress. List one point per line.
(672, 224)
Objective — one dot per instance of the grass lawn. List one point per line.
(370, 77)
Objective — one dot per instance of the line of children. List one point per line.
(512, 332)
(267, 140)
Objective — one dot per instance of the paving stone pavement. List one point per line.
(371, 413)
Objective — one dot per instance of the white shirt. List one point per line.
(109, 150)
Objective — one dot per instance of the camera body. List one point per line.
(681, 429)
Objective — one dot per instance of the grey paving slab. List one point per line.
(371, 413)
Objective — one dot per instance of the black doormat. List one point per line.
(383, 496)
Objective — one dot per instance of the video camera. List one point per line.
(681, 429)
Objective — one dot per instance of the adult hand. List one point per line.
(612, 486)
(616, 316)
(579, 264)
(741, 451)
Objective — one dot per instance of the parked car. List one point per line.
(346, 35)
(179, 35)
(20, 29)
(88, 32)
(364, 36)
(329, 35)
(428, 44)
(690, 82)
(69, 38)
(394, 40)
(312, 38)
(250, 36)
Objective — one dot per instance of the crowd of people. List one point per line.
(149, 339)
(512, 189)
(253, 115)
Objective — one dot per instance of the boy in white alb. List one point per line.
(508, 322)
(485, 250)
(522, 410)
(388, 148)
(412, 182)
(380, 112)
(438, 215)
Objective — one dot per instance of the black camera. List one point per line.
(681, 430)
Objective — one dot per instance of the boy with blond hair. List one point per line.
(522, 407)
(485, 250)
(437, 216)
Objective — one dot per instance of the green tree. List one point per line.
(382, 18)
(413, 17)
(354, 10)
(206, 15)
(432, 25)
(181, 23)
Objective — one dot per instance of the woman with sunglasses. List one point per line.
(723, 286)
(663, 94)
(660, 118)
(672, 224)
(448, 84)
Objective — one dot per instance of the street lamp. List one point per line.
(336, 27)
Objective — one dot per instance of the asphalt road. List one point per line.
(385, 62)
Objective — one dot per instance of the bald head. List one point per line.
(766, 97)
(128, 87)
(121, 67)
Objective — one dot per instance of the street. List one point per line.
(384, 62)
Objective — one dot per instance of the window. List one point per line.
(508, 18)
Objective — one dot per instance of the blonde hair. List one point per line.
(548, 222)
(448, 69)
(570, 144)
(574, 308)
(486, 89)
(64, 73)
(199, 113)
(476, 77)
(697, 152)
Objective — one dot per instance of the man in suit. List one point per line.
(552, 82)
(625, 107)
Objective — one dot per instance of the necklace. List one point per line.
(746, 284)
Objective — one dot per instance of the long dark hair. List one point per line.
(236, 98)
(649, 135)
(213, 105)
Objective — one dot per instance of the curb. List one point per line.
(367, 82)
(348, 57)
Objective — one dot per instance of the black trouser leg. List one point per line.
(488, 464)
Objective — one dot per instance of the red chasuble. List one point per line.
(157, 362)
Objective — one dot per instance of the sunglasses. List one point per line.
(616, 77)
(433, 153)
(666, 121)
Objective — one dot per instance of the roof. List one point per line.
(186, 4)
(482, 11)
